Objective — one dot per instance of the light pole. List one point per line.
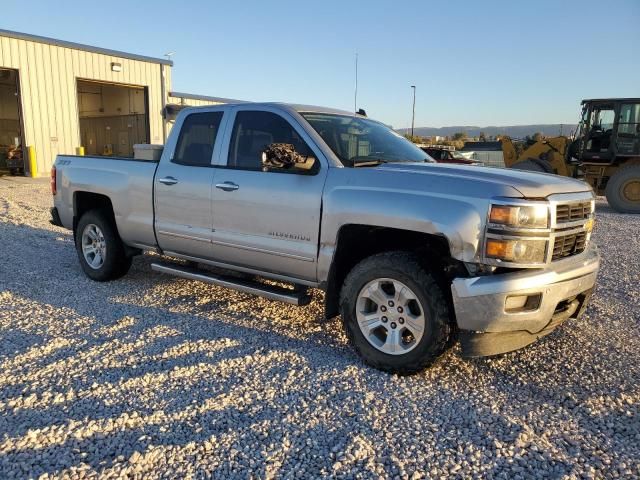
(413, 114)
(355, 92)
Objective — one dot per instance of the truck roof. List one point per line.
(625, 100)
(287, 106)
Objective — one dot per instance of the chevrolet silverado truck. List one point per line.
(276, 200)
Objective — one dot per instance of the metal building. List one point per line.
(191, 100)
(64, 97)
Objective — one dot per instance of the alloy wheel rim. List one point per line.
(94, 246)
(631, 191)
(390, 316)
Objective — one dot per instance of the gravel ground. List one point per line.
(153, 376)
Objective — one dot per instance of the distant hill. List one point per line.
(514, 131)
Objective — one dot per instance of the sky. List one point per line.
(473, 63)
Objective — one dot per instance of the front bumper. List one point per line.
(561, 291)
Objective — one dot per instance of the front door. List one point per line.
(183, 187)
(600, 138)
(267, 220)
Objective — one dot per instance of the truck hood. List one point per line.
(529, 184)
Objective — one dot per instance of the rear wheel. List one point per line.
(394, 313)
(100, 251)
(623, 189)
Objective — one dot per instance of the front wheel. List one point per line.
(623, 189)
(100, 251)
(394, 313)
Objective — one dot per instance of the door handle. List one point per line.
(227, 186)
(168, 180)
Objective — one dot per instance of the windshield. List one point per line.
(358, 141)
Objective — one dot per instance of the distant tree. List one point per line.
(483, 137)
(413, 138)
(538, 137)
(460, 136)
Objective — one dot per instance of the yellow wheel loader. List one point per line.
(605, 152)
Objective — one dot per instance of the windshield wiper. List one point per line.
(367, 161)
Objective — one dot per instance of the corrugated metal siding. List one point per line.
(48, 85)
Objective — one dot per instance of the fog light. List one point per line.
(522, 303)
(515, 302)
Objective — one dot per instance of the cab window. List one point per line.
(602, 120)
(628, 141)
(253, 132)
(197, 138)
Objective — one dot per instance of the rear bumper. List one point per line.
(560, 292)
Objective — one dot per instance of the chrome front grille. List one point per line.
(571, 227)
(568, 245)
(572, 212)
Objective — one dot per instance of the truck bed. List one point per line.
(127, 182)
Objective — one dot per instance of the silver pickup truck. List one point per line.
(275, 199)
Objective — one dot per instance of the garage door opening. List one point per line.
(113, 118)
(11, 159)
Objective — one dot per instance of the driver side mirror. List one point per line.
(283, 156)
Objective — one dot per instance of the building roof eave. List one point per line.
(80, 46)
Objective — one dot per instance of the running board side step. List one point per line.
(298, 296)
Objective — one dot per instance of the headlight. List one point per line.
(526, 216)
(517, 250)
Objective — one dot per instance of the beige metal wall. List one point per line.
(48, 84)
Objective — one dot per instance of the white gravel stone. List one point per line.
(156, 377)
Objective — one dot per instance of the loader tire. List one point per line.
(623, 189)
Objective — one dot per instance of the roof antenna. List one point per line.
(355, 93)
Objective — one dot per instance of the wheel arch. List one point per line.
(85, 201)
(356, 242)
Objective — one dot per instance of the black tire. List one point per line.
(116, 263)
(403, 267)
(533, 165)
(622, 189)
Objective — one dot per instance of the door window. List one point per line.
(197, 138)
(253, 132)
(604, 119)
(628, 141)
(601, 130)
(435, 154)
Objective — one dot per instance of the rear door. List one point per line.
(183, 185)
(267, 220)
